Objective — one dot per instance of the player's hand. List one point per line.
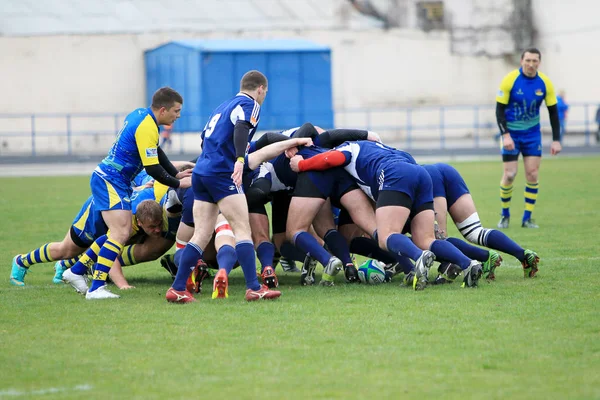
(507, 142)
(294, 163)
(185, 182)
(127, 287)
(149, 184)
(304, 142)
(291, 152)
(555, 148)
(183, 174)
(373, 137)
(238, 170)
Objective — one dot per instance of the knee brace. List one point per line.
(472, 230)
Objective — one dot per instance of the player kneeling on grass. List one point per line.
(88, 226)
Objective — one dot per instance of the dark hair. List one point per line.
(252, 80)
(531, 50)
(148, 211)
(166, 97)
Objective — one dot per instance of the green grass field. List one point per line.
(510, 339)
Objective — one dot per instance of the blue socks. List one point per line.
(336, 243)
(399, 244)
(499, 241)
(308, 244)
(288, 250)
(368, 247)
(247, 258)
(265, 253)
(190, 255)
(226, 258)
(469, 250)
(445, 251)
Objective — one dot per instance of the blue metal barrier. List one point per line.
(468, 126)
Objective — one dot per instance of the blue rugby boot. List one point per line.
(17, 273)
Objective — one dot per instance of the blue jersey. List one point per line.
(218, 150)
(135, 147)
(141, 179)
(367, 160)
(523, 96)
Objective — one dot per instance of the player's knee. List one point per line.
(509, 176)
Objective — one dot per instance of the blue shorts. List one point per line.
(528, 144)
(88, 225)
(109, 193)
(447, 182)
(214, 188)
(410, 179)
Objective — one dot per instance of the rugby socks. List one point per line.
(531, 193)
(226, 258)
(368, 247)
(336, 243)
(247, 257)
(265, 253)
(37, 256)
(445, 251)
(70, 262)
(399, 244)
(190, 255)
(499, 241)
(106, 258)
(126, 257)
(88, 259)
(288, 250)
(177, 256)
(309, 245)
(505, 196)
(473, 252)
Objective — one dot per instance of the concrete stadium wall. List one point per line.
(371, 68)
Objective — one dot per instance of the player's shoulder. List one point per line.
(544, 77)
(512, 75)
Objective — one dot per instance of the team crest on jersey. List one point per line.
(539, 92)
(151, 153)
(519, 91)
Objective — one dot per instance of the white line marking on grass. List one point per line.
(41, 392)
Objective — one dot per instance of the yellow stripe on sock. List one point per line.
(113, 247)
(99, 275)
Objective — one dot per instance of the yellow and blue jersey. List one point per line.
(135, 147)
(523, 97)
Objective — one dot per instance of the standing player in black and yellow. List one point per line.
(518, 115)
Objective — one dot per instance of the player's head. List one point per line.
(255, 84)
(530, 61)
(149, 217)
(166, 105)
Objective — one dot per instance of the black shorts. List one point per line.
(279, 210)
(333, 184)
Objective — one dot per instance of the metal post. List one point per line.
(476, 122)
(409, 128)
(587, 124)
(69, 148)
(442, 137)
(33, 134)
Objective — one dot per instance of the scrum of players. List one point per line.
(333, 194)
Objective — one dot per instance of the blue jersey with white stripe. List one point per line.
(218, 150)
(366, 160)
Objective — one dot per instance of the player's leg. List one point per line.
(52, 251)
(280, 206)
(467, 220)
(532, 167)
(510, 168)
(235, 210)
(309, 196)
(226, 257)
(265, 249)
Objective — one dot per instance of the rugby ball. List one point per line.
(372, 272)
